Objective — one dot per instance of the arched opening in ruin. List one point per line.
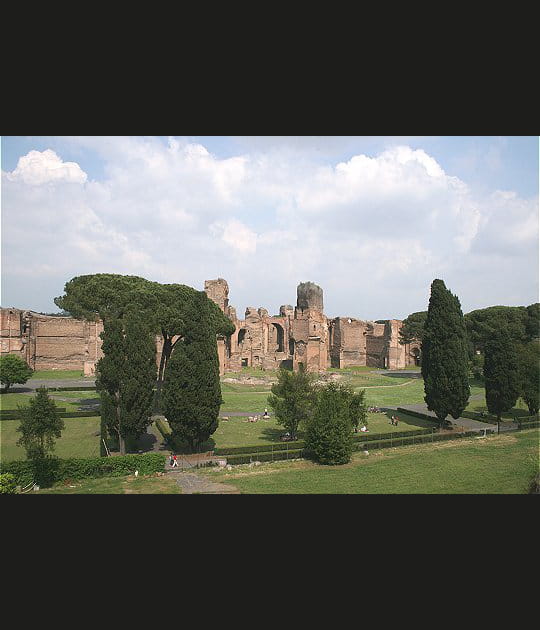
(415, 353)
(279, 337)
(241, 336)
(291, 347)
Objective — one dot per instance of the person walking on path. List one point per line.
(175, 461)
(170, 459)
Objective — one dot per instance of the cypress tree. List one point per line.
(139, 376)
(501, 373)
(126, 376)
(445, 355)
(109, 370)
(191, 395)
(530, 376)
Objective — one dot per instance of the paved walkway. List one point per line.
(32, 384)
(195, 484)
(467, 423)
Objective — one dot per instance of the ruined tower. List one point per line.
(309, 329)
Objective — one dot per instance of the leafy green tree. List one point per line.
(358, 408)
(501, 373)
(529, 375)
(329, 430)
(13, 369)
(412, 329)
(40, 425)
(444, 355)
(292, 399)
(191, 395)
(532, 325)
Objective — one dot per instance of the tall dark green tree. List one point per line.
(40, 426)
(292, 399)
(126, 376)
(109, 372)
(444, 355)
(501, 373)
(329, 430)
(139, 375)
(191, 395)
(529, 375)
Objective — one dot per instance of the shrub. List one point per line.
(13, 369)
(8, 484)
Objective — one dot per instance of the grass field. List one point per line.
(502, 464)
(57, 374)
(78, 439)
(12, 401)
(116, 485)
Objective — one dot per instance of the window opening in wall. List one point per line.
(244, 362)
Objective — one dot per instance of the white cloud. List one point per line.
(38, 168)
(373, 231)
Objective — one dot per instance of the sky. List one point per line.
(373, 220)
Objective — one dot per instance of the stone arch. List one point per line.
(280, 337)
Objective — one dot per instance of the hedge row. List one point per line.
(14, 414)
(417, 414)
(358, 446)
(53, 469)
(300, 444)
(266, 457)
(529, 424)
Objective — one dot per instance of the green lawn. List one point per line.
(116, 485)
(12, 401)
(78, 439)
(237, 431)
(57, 374)
(501, 464)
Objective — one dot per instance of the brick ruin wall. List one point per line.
(302, 334)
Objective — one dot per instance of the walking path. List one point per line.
(194, 484)
(32, 384)
(467, 423)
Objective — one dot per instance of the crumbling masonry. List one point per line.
(300, 335)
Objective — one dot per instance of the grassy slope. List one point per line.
(498, 465)
(78, 439)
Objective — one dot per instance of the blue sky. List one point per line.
(371, 219)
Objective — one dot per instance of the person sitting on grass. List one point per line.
(364, 429)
